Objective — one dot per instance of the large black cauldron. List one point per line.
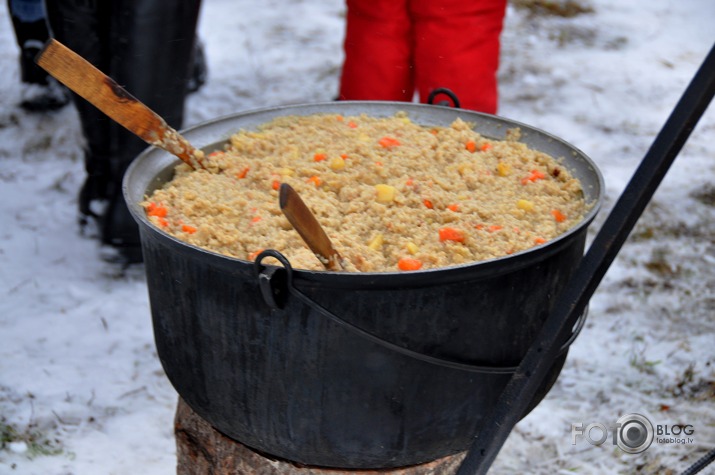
(326, 368)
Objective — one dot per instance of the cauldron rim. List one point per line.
(452, 273)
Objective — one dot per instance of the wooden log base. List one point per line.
(202, 450)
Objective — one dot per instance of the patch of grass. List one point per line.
(561, 8)
(639, 361)
(663, 231)
(9, 120)
(38, 144)
(571, 34)
(653, 467)
(688, 386)
(660, 264)
(644, 366)
(705, 195)
(646, 286)
(37, 443)
(658, 222)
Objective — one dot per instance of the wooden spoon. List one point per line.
(303, 220)
(104, 93)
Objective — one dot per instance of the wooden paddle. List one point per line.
(303, 220)
(80, 76)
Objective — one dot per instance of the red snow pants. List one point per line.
(394, 47)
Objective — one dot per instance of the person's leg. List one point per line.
(39, 92)
(457, 47)
(147, 47)
(153, 46)
(199, 69)
(378, 52)
(152, 50)
(82, 25)
(28, 21)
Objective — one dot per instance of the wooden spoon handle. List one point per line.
(309, 228)
(104, 93)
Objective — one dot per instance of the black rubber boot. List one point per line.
(40, 92)
(117, 226)
(199, 71)
(94, 192)
(30, 27)
(147, 46)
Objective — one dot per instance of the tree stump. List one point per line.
(202, 450)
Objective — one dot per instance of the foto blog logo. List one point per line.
(632, 433)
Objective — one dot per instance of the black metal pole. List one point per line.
(572, 301)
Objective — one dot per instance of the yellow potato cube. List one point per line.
(412, 248)
(376, 242)
(385, 193)
(526, 205)
(503, 169)
(337, 164)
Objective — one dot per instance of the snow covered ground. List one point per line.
(81, 388)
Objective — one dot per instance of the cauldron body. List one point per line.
(292, 381)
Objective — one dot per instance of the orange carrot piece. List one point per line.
(451, 234)
(539, 240)
(156, 210)
(471, 146)
(163, 222)
(243, 173)
(558, 216)
(428, 204)
(388, 142)
(494, 228)
(486, 146)
(352, 125)
(188, 229)
(453, 207)
(533, 176)
(252, 256)
(409, 263)
(315, 179)
(255, 219)
(319, 157)
(276, 184)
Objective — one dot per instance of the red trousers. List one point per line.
(394, 47)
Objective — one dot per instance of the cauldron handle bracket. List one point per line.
(277, 282)
(273, 281)
(447, 92)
